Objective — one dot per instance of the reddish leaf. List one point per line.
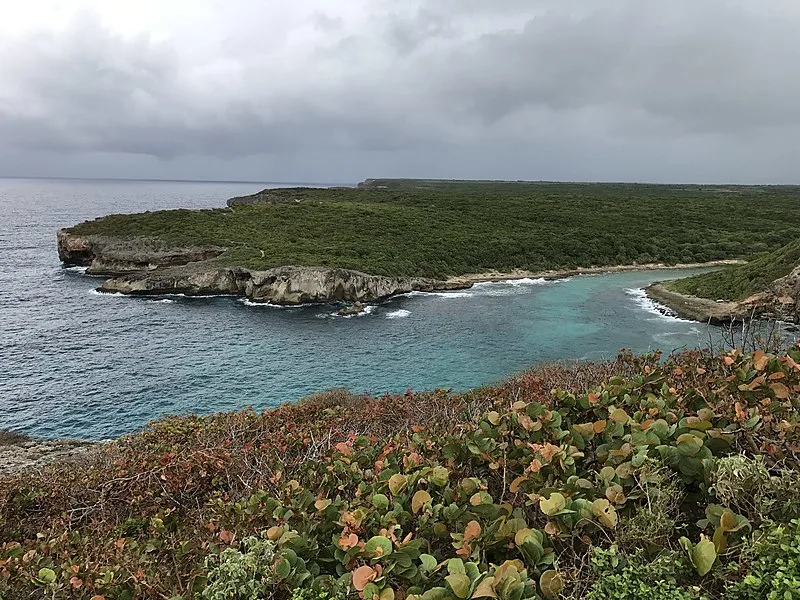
(362, 576)
(226, 536)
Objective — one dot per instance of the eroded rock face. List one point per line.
(35, 454)
(305, 285)
(180, 280)
(282, 285)
(139, 267)
(109, 256)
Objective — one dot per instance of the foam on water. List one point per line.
(248, 302)
(505, 287)
(644, 302)
(398, 314)
(368, 310)
(94, 292)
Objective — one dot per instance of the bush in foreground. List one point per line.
(632, 479)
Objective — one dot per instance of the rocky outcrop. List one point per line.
(111, 256)
(352, 310)
(693, 308)
(780, 301)
(282, 285)
(143, 267)
(191, 280)
(26, 454)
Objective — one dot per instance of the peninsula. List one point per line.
(386, 237)
(767, 286)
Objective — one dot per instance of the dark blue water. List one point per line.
(79, 364)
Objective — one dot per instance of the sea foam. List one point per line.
(644, 302)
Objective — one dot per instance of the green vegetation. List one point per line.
(456, 228)
(635, 479)
(740, 281)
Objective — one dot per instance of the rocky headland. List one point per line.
(780, 301)
(138, 267)
(388, 237)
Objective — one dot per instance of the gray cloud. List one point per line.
(607, 89)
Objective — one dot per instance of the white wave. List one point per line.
(452, 294)
(644, 302)
(164, 301)
(398, 314)
(505, 287)
(248, 302)
(107, 294)
(368, 310)
(512, 282)
(200, 296)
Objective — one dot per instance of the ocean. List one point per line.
(76, 363)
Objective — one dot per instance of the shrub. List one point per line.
(635, 578)
(237, 575)
(774, 573)
(746, 486)
(504, 490)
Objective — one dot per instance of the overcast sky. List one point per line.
(337, 91)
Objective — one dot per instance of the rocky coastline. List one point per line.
(142, 268)
(19, 453)
(778, 302)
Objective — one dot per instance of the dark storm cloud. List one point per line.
(509, 76)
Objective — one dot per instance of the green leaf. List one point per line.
(459, 583)
(378, 546)
(552, 505)
(689, 444)
(551, 583)
(47, 576)
(282, 568)
(455, 566)
(703, 555)
(380, 501)
(437, 593)
(428, 562)
(440, 476)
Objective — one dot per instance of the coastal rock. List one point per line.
(33, 454)
(780, 301)
(283, 285)
(696, 309)
(352, 310)
(180, 280)
(303, 285)
(111, 256)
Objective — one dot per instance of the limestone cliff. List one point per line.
(282, 285)
(111, 256)
(137, 267)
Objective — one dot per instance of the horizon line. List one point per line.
(167, 180)
(354, 184)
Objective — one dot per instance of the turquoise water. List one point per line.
(80, 364)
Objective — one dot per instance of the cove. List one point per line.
(114, 363)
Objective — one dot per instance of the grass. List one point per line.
(740, 281)
(593, 480)
(443, 229)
